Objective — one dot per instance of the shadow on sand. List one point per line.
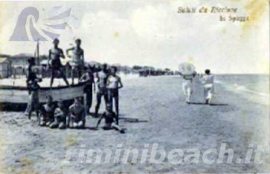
(212, 104)
(133, 120)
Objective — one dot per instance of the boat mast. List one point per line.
(37, 53)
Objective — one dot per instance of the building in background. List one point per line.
(5, 67)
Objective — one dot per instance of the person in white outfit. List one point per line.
(187, 86)
(208, 84)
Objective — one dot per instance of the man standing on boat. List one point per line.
(101, 87)
(55, 63)
(77, 62)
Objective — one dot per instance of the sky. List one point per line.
(149, 32)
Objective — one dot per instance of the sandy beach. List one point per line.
(237, 117)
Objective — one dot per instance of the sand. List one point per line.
(236, 119)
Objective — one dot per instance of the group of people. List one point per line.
(105, 80)
(208, 85)
(61, 115)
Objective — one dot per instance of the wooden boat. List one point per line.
(14, 94)
(15, 97)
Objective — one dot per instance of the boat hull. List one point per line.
(16, 98)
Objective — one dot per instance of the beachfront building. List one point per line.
(21, 59)
(5, 67)
(19, 63)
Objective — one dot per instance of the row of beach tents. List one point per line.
(17, 65)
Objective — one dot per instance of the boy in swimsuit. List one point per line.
(77, 62)
(60, 116)
(33, 104)
(77, 114)
(47, 112)
(33, 90)
(110, 120)
(114, 83)
(88, 78)
(101, 87)
(31, 76)
(55, 63)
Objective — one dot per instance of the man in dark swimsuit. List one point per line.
(31, 76)
(110, 120)
(60, 116)
(102, 88)
(88, 78)
(56, 67)
(77, 62)
(33, 90)
(114, 83)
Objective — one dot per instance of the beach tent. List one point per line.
(5, 68)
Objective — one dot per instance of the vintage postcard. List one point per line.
(134, 86)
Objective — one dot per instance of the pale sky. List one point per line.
(151, 32)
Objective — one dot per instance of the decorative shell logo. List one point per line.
(31, 26)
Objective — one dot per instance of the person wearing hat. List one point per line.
(77, 56)
(60, 116)
(110, 120)
(208, 84)
(88, 79)
(55, 63)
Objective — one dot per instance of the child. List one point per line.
(33, 104)
(47, 112)
(208, 84)
(77, 114)
(60, 117)
(110, 120)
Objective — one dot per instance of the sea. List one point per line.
(253, 84)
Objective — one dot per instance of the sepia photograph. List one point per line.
(134, 86)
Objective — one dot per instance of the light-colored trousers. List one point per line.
(187, 89)
(208, 91)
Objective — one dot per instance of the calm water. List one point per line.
(256, 83)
